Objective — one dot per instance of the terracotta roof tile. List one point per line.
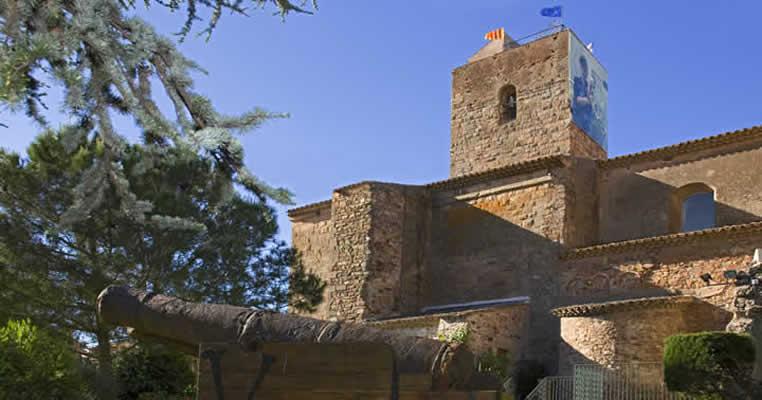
(582, 310)
(663, 241)
(661, 153)
(501, 172)
(412, 320)
(495, 173)
(309, 207)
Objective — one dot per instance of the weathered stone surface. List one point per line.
(540, 73)
(368, 244)
(636, 202)
(313, 236)
(621, 336)
(500, 329)
(388, 250)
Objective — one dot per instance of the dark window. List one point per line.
(508, 103)
(698, 212)
(693, 208)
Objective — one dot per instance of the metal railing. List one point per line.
(541, 34)
(631, 381)
(553, 388)
(644, 380)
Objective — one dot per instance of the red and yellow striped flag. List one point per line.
(495, 35)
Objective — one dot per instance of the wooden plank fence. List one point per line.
(313, 371)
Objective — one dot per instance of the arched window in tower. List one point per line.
(508, 103)
(693, 208)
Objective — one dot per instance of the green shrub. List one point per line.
(709, 365)
(495, 364)
(153, 372)
(35, 364)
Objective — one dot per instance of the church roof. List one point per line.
(658, 154)
(501, 172)
(309, 207)
(461, 181)
(454, 310)
(663, 241)
(584, 310)
(690, 146)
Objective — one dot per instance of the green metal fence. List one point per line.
(553, 388)
(631, 381)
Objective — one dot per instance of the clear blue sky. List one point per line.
(368, 82)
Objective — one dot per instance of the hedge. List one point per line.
(709, 364)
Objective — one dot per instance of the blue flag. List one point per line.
(551, 12)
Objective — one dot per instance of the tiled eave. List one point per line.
(752, 228)
(308, 208)
(502, 172)
(427, 319)
(461, 181)
(584, 310)
(665, 153)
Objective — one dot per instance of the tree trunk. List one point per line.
(104, 379)
(172, 321)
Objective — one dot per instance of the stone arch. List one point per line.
(692, 207)
(507, 103)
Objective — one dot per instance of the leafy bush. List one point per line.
(709, 365)
(34, 364)
(495, 364)
(526, 376)
(458, 336)
(153, 372)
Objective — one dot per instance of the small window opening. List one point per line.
(698, 212)
(508, 103)
(694, 208)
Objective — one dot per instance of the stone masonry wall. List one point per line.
(312, 235)
(580, 179)
(539, 71)
(351, 216)
(661, 271)
(502, 329)
(623, 336)
(635, 201)
(583, 145)
(369, 245)
(501, 239)
(396, 243)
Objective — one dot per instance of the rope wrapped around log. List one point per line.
(185, 325)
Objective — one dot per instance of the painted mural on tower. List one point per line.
(589, 92)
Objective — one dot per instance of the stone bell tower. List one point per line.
(513, 103)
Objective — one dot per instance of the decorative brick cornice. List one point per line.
(501, 172)
(664, 153)
(308, 208)
(676, 239)
(584, 310)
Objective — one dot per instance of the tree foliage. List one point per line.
(37, 365)
(54, 275)
(496, 364)
(105, 62)
(709, 364)
(146, 369)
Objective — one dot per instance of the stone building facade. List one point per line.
(539, 243)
